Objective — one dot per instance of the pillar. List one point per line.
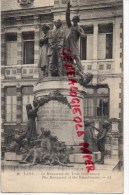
(115, 146)
(36, 40)
(19, 48)
(2, 119)
(19, 104)
(95, 42)
(19, 54)
(95, 48)
(3, 49)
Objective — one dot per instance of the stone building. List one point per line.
(100, 52)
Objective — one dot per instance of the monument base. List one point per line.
(56, 114)
(58, 117)
(78, 158)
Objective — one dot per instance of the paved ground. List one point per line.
(109, 165)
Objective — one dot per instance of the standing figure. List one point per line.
(31, 126)
(90, 137)
(55, 41)
(101, 139)
(43, 43)
(72, 39)
(72, 42)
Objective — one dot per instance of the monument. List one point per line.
(53, 91)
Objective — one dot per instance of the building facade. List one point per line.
(100, 52)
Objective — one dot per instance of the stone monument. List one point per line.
(53, 91)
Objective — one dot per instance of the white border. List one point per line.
(126, 104)
(126, 96)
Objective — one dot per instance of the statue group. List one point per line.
(46, 149)
(54, 41)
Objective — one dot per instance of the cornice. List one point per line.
(27, 12)
(90, 7)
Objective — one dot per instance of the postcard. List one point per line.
(62, 96)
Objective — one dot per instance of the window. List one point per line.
(27, 98)
(102, 106)
(102, 97)
(86, 44)
(28, 48)
(96, 104)
(11, 49)
(11, 104)
(89, 104)
(89, 107)
(105, 41)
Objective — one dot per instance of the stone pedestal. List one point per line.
(56, 116)
(115, 147)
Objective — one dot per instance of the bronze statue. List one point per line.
(47, 150)
(39, 152)
(55, 41)
(43, 43)
(31, 126)
(72, 42)
(72, 38)
(90, 137)
(101, 139)
(18, 143)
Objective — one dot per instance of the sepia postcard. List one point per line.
(62, 96)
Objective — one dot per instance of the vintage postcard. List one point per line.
(62, 96)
